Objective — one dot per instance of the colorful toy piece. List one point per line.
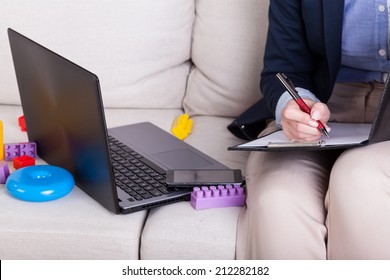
(28, 149)
(22, 123)
(40, 183)
(23, 161)
(182, 126)
(217, 196)
(11, 151)
(1, 141)
(20, 149)
(4, 172)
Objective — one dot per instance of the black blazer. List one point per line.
(304, 42)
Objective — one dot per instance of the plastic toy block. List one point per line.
(182, 126)
(1, 141)
(11, 151)
(217, 196)
(28, 149)
(14, 150)
(22, 123)
(4, 172)
(23, 161)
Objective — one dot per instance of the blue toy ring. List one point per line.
(39, 183)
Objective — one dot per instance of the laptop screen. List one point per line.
(64, 115)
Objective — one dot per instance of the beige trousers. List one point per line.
(319, 205)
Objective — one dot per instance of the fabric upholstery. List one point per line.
(227, 53)
(140, 50)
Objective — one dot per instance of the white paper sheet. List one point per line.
(340, 134)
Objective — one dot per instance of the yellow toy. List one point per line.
(182, 126)
(1, 141)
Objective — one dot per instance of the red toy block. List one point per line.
(23, 161)
(22, 123)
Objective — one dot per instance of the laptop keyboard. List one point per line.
(135, 174)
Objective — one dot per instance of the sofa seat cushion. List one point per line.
(179, 232)
(73, 227)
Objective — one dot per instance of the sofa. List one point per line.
(155, 60)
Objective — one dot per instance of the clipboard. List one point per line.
(342, 135)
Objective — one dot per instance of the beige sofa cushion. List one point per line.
(139, 49)
(72, 227)
(227, 55)
(179, 232)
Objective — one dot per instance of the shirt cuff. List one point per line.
(282, 103)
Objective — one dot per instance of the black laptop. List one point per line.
(122, 168)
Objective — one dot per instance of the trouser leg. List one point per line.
(359, 191)
(285, 213)
(359, 204)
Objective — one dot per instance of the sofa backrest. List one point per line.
(205, 55)
(139, 49)
(227, 52)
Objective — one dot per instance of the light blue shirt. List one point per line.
(365, 46)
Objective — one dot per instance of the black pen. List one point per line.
(301, 103)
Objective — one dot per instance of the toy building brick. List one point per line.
(23, 161)
(14, 150)
(4, 172)
(217, 196)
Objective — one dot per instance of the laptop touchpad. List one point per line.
(181, 159)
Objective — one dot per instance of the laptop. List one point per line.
(342, 135)
(122, 168)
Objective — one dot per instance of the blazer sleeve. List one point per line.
(287, 50)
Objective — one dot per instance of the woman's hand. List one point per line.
(298, 125)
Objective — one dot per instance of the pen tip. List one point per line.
(325, 132)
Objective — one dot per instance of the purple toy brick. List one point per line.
(28, 149)
(217, 196)
(4, 172)
(14, 150)
(11, 151)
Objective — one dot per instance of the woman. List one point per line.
(330, 204)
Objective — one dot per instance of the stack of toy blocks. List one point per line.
(218, 196)
(22, 154)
